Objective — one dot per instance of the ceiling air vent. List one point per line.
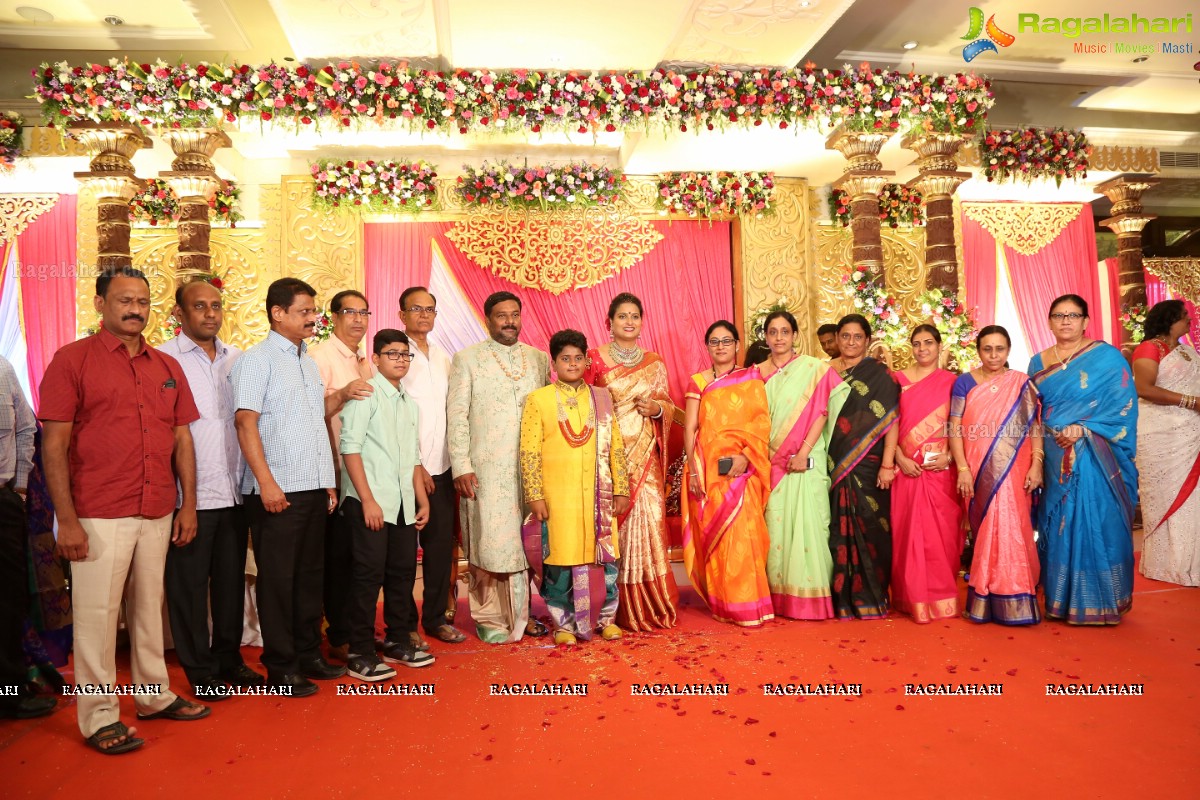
(1178, 159)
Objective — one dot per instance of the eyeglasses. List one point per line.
(355, 312)
(726, 342)
(421, 310)
(1060, 317)
(396, 355)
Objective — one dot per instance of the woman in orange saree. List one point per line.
(997, 446)
(637, 381)
(727, 474)
(927, 536)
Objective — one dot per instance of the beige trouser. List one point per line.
(126, 557)
(499, 604)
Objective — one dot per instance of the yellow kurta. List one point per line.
(565, 476)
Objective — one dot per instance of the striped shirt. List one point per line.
(280, 382)
(17, 426)
(219, 461)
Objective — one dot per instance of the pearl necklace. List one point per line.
(625, 357)
(1068, 359)
(505, 370)
(564, 424)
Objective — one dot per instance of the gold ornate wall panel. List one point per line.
(18, 210)
(322, 249)
(1025, 227)
(246, 258)
(775, 257)
(48, 142)
(904, 266)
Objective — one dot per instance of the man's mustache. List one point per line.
(128, 317)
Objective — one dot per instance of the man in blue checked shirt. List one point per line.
(288, 487)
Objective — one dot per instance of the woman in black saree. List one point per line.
(861, 468)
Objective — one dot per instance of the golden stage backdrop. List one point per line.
(782, 254)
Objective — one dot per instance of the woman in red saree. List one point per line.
(997, 445)
(637, 381)
(927, 534)
(727, 473)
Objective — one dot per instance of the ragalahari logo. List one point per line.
(994, 37)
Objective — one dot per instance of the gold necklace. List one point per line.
(505, 370)
(625, 357)
(1068, 359)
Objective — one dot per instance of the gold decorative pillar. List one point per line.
(194, 180)
(112, 181)
(863, 180)
(1127, 221)
(937, 179)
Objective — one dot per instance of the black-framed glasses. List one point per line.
(355, 312)
(397, 355)
(1058, 316)
(726, 342)
(421, 310)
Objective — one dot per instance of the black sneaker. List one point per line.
(404, 653)
(26, 705)
(368, 668)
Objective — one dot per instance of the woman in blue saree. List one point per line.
(1085, 521)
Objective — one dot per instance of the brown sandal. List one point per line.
(448, 634)
(110, 732)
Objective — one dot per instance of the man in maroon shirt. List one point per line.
(116, 415)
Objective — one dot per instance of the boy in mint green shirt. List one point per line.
(384, 507)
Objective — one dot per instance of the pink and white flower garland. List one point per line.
(378, 186)
(708, 194)
(539, 186)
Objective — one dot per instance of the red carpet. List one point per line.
(609, 744)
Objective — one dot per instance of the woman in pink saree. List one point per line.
(927, 534)
(995, 437)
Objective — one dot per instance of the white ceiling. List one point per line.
(1038, 79)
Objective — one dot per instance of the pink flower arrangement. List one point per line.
(345, 92)
(955, 322)
(10, 138)
(375, 185)
(872, 299)
(709, 194)
(539, 186)
(898, 205)
(1031, 153)
(158, 203)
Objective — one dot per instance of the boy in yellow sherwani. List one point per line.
(573, 471)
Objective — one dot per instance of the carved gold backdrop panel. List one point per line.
(48, 142)
(1182, 275)
(322, 249)
(18, 210)
(1104, 158)
(557, 250)
(235, 257)
(87, 248)
(775, 258)
(904, 268)
(1025, 227)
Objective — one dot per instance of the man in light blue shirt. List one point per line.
(210, 571)
(384, 505)
(288, 486)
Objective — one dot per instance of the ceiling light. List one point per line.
(805, 3)
(1140, 59)
(910, 45)
(114, 20)
(34, 14)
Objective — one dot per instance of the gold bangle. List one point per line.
(964, 469)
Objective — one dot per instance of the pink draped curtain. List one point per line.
(1065, 266)
(47, 269)
(979, 270)
(684, 283)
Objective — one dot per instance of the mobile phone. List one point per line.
(810, 463)
(724, 465)
(930, 457)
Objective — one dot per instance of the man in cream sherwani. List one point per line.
(488, 386)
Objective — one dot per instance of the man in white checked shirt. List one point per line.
(211, 569)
